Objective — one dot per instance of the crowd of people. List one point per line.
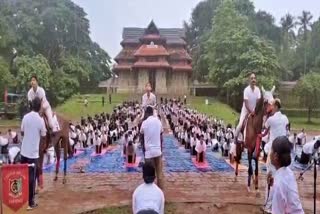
(133, 125)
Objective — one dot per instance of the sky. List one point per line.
(108, 17)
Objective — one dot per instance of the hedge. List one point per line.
(301, 113)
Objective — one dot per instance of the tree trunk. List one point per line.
(309, 115)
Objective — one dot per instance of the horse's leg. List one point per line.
(256, 172)
(65, 144)
(39, 171)
(57, 151)
(250, 171)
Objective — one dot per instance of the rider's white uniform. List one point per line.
(252, 96)
(41, 94)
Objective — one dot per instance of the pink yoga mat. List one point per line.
(198, 165)
(133, 165)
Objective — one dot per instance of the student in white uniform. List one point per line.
(277, 125)
(251, 96)
(149, 99)
(201, 148)
(301, 137)
(286, 196)
(14, 153)
(37, 91)
(308, 150)
(148, 197)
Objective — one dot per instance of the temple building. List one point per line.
(155, 55)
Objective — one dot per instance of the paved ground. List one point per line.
(85, 192)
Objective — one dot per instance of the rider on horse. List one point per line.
(251, 96)
(37, 91)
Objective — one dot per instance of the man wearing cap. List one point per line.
(276, 125)
(151, 128)
(148, 198)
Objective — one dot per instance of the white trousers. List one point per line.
(48, 112)
(243, 115)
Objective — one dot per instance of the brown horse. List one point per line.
(252, 131)
(58, 141)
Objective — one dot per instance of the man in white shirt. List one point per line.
(277, 126)
(251, 96)
(148, 197)
(37, 91)
(152, 130)
(308, 150)
(33, 131)
(149, 99)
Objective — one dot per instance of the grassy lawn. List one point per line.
(169, 209)
(74, 108)
(215, 108)
(299, 123)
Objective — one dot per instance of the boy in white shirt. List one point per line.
(37, 91)
(308, 150)
(201, 148)
(148, 196)
(285, 196)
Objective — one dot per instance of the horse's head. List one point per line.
(268, 98)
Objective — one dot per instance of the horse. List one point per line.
(252, 132)
(58, 140)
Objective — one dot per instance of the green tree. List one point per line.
(234, 51)
(288, 36)
(6, 79)
(304, 22)
(308, 91)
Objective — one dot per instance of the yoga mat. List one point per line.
(79, 152)
(240, 166)
(103, 151)
(133, 165)
(198, 165)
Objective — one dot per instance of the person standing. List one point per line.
(251, 96)
(148, 198)
(102, 101)
(110, 101)
(276, 125)
(149, 99)
(151, 128)
(33, 131)
(286, 196)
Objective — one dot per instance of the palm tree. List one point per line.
(287, 24)
(304, 22)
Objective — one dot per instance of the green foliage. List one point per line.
(234, 51)
(59, 32)
(6, 79)
(27, 66)
(308, 91)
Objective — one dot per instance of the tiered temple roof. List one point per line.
(166, 44)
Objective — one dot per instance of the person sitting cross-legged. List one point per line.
(148, 197)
